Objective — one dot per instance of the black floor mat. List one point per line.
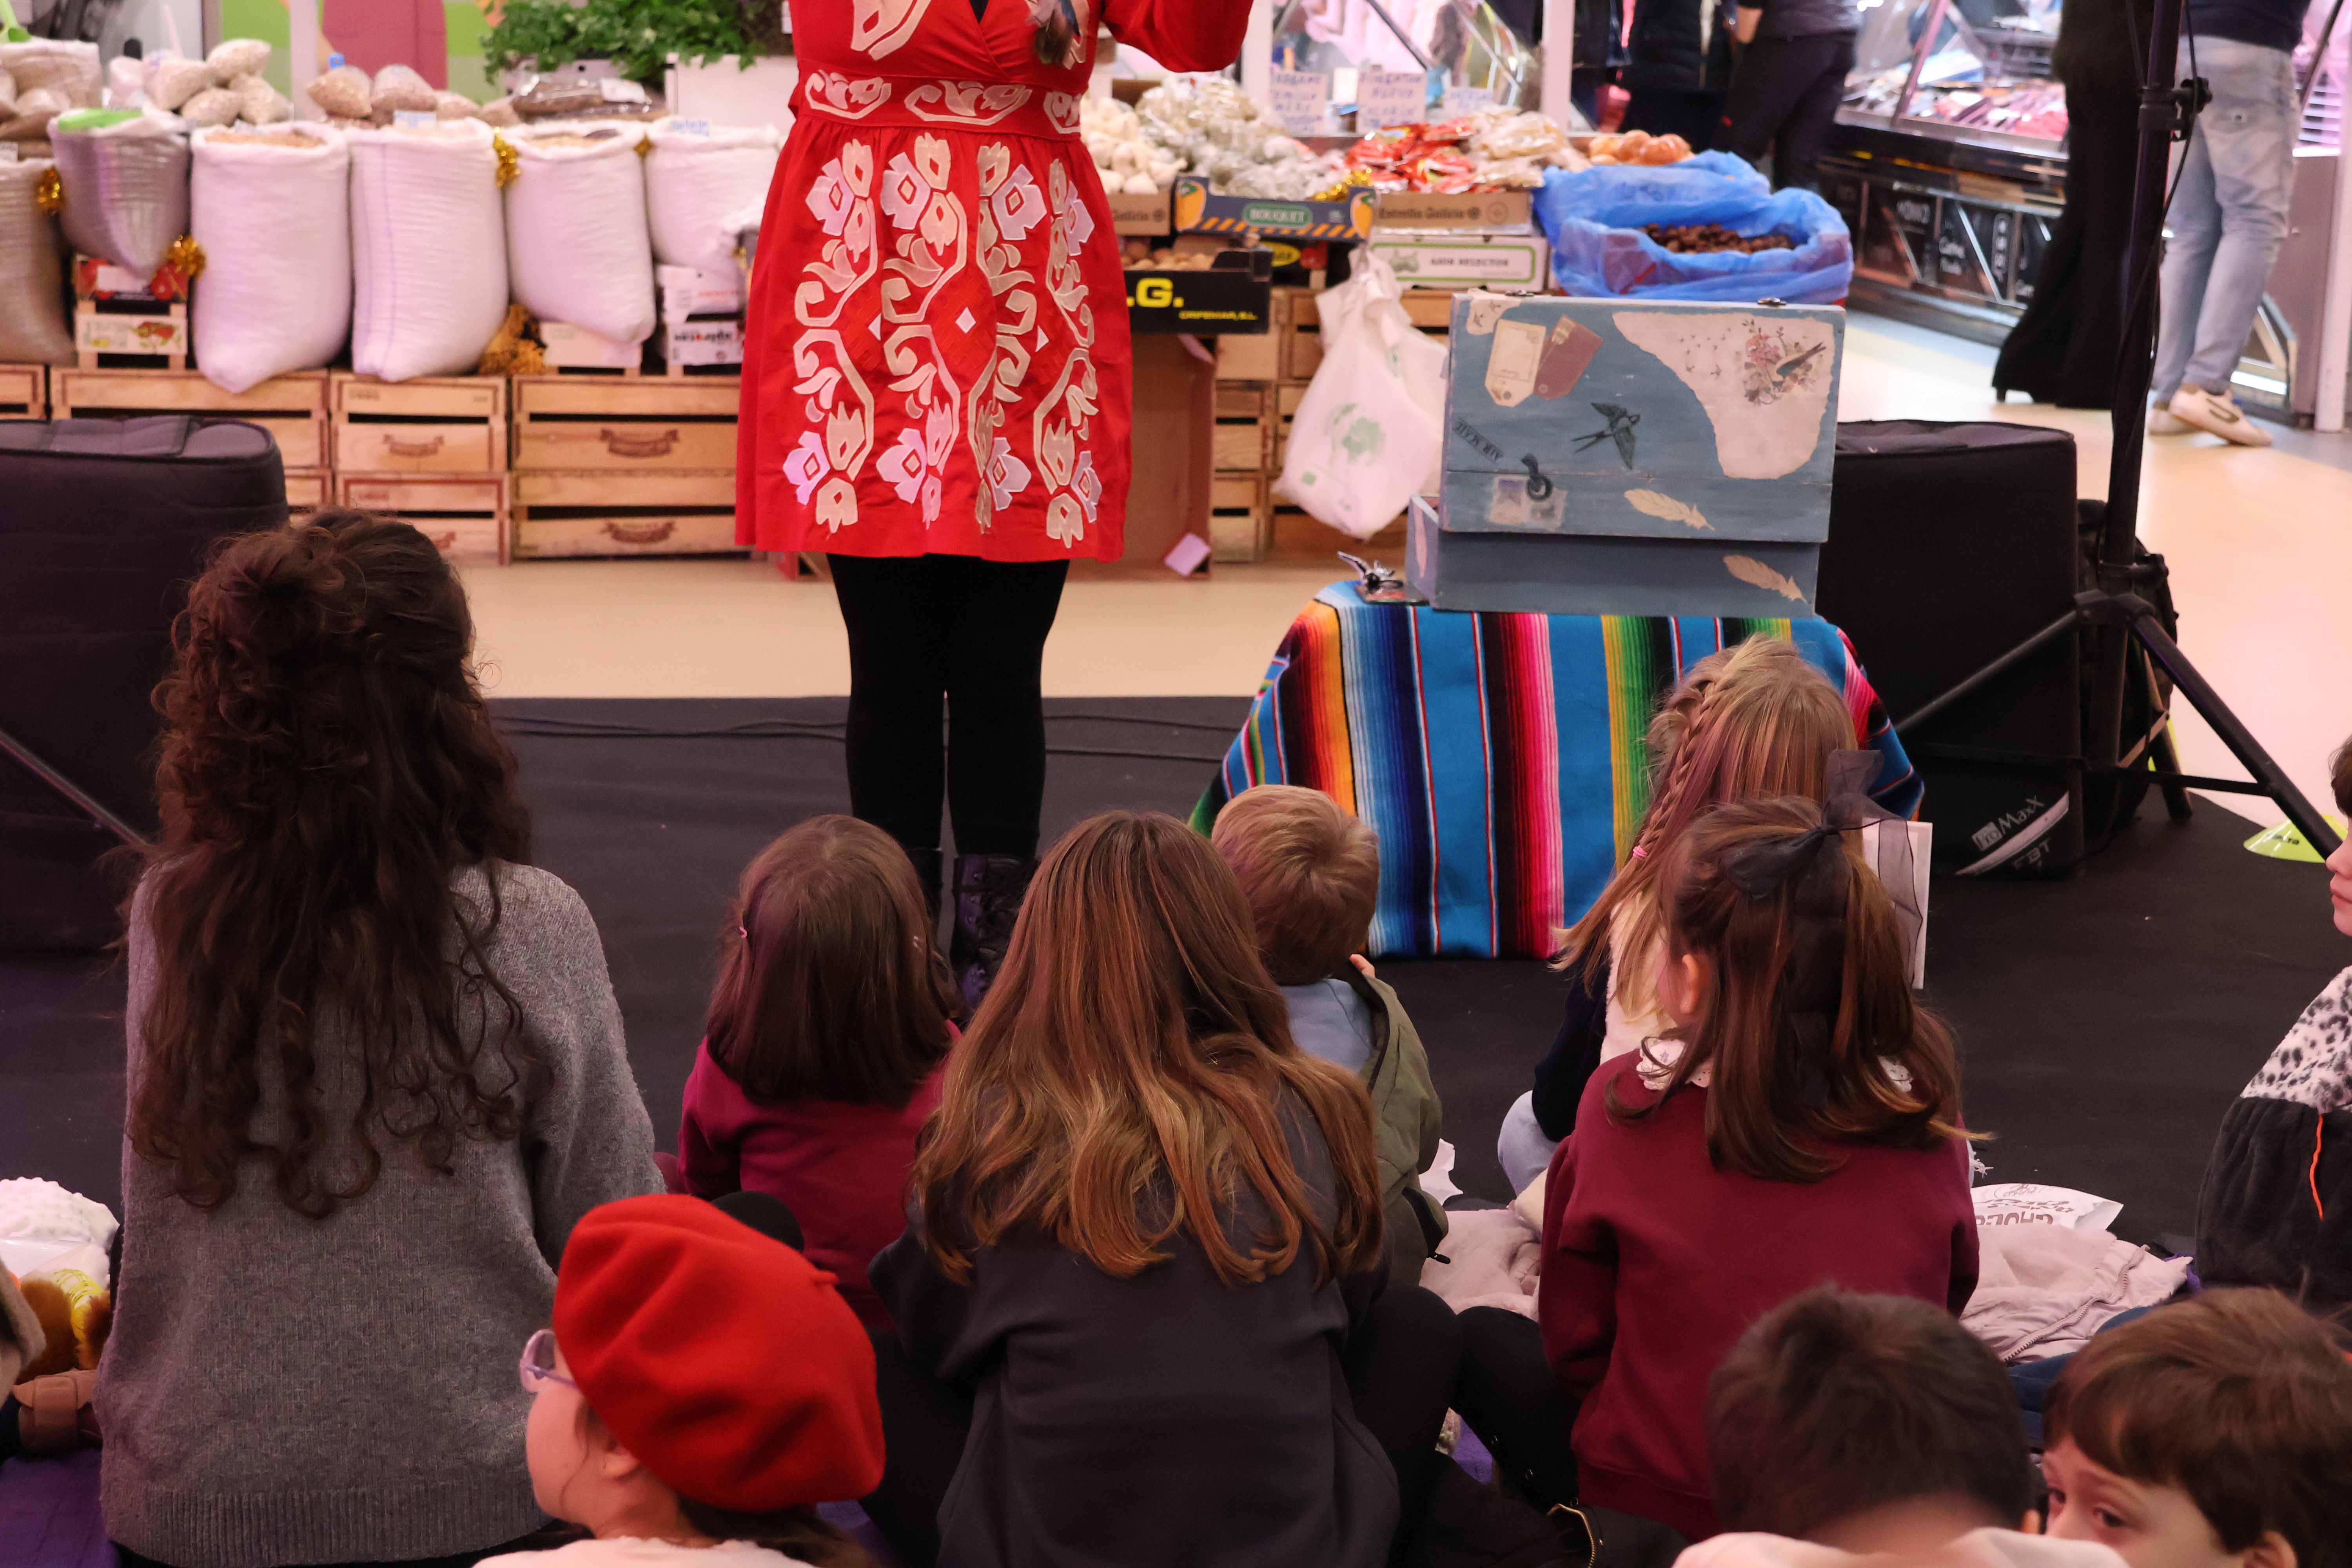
(2108, 1021)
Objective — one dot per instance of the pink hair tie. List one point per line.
(742, 933)
(1640, 852)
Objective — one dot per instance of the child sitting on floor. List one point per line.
(824, 1045)
(1754, 721)
(1312, 874)
(2214, 1433)
(702, 1389)
(1800, 1124)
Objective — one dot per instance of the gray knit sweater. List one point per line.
(284, 1390)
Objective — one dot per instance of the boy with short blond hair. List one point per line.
(1311, 874)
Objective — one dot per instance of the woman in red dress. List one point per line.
(935, 391)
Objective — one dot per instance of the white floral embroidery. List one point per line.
(851, 97)
(1018, 205)
(1087, 484)
(969, 103)
(902, 465)
(905, 192)
(1062, 111)
(1008, 475)
(829, 201)
(806, 465)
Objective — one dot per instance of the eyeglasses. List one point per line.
(537, 1367)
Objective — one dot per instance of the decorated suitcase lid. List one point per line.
(1672, 420)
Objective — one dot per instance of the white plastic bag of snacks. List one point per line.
(342, 94)
(235, 57)
(576, 241)
(33, 329)
(258, 103)
(272, 210)
(398, 87)
(125, 179)
(696, 180)
(49, 76)
(428, 249)
(171, 80)
(213, 106)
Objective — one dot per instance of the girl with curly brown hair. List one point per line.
(375, 1070)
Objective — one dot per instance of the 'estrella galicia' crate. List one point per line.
(1630, 457)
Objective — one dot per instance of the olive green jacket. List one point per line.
(1406, 1118)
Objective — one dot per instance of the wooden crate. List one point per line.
(1431, 310)
(1287, 399)
(1237, 517)
(465, 515)
(1294, 538)
(663, 513)
(24, 392)
(308, 489)
(131, 329)
(578, 424)
(1256, 356)
(434, 425)
(293, 408)
(1243, 435)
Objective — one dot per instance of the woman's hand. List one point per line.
(1746, 22)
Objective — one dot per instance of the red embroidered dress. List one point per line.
(936, 358)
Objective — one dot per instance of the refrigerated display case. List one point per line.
(1948, 159)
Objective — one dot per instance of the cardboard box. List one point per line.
(690, 291)
(717, 342)
(108, 334)
(1204, 300)
(1513, 263)
(1474, 211)
(1142, 217)
(581, 349)
(1199, 211)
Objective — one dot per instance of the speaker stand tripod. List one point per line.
(2115, 617)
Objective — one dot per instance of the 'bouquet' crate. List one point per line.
(1430, 310)
(434, 425)
(24, 392)
(293, 408)
(663, 513)
(465, 515)
(578, 424)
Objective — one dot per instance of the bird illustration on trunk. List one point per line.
(1619, 429)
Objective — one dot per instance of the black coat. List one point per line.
(1167, 1419)
(1679, 46)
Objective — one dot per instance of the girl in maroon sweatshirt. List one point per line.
(824, 1046)
(1799, 1125)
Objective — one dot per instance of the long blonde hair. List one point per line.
(1755, 719)
(1125, 1079)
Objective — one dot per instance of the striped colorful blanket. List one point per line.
(1500, 757)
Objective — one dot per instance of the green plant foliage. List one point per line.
(637, 36)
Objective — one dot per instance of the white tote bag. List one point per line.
(428, 249)
(697, 182)
(1369, 433)
(275, 223)
(576, 241)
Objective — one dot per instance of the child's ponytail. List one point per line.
(1808, 1034)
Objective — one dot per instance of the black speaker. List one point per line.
(103, 522)
(1950, 544)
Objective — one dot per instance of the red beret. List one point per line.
(725, 1360)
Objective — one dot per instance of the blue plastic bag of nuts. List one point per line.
(1594, 219)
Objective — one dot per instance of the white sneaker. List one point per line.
(2218, 413)
(2160, 422)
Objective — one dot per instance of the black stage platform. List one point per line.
(2108, 1021)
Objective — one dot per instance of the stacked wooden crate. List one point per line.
(431, 451)
(293, 408)
(624, 465)
(24, 392)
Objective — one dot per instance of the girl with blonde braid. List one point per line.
(1753, 721)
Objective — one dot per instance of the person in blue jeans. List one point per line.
(2229, 216)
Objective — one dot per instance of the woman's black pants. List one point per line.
(1400, 1364)
(1784, 95)
(928, 630)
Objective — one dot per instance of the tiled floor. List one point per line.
(2259, 544)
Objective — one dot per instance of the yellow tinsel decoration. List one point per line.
(510, 161)
(50, 192)
(186, 257)
(1354, 177)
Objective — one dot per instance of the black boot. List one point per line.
(988, 899)
(926, 872)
